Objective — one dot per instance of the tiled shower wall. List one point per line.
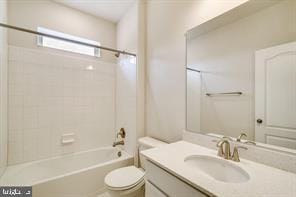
(51, 95)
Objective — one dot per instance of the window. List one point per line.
(67, 46)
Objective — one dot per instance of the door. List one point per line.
(275, 95)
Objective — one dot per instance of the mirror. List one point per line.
(241, 74)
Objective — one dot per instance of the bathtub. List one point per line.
(73, 175)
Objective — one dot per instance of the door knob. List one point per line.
(259, 121)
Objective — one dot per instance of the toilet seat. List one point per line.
(124, 178)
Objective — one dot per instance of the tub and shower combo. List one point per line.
(73, 175)
(62, 114)
(62, 110)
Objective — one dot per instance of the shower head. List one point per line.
(117, 54)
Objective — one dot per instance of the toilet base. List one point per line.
(136, 193)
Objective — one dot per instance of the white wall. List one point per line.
(226, 58)
(51, 95)
(130, 76)
(31, 14)
(167, 22)
(3, 88)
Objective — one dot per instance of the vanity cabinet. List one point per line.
(160, 183)
(153, 191)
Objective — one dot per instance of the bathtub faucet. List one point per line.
(118, 143)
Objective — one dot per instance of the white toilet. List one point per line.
(129, 181)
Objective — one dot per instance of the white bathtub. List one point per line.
(74, 175)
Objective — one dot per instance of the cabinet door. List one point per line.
(169, 184)
(152, 191)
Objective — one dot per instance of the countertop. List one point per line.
(264, 180)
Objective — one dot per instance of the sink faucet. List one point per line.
(241, 136)
(246, 141)
(118, 143)
(224, 152)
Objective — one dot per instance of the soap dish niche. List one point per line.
(68, 138)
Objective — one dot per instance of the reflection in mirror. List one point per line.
(247, 76)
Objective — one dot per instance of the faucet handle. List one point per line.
(235, 155)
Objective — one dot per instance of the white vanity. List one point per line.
(186, 169)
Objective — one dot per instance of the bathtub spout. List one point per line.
(118, 143)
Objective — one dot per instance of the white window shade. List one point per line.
(67, 46)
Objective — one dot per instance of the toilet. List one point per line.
(129, 181)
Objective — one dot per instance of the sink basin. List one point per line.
(219, 169)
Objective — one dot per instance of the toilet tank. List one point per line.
(147, 143)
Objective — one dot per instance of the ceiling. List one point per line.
(112, 10)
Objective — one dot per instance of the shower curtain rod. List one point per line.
(65, 39)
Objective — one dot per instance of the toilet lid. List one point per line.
(124, 178)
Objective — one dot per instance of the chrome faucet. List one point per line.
(118, 143)
(224, 152)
